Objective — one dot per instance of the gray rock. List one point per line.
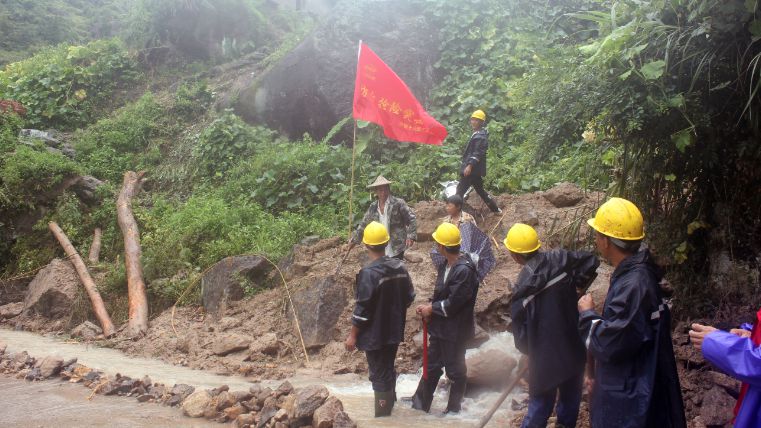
(342, 420)
(50, 366)
(325, 415)
(318, 307)
(717, 408)
(265, 344)
(86, 188)
(285, 388)
(490, 368)
(564, 195)
(53, 291)
(86, 331)
(182, 390)
(11, 310)
(35, 134)
(223, 282)
(195, 404)
(309, 399)
(295, 98)
(229, 343)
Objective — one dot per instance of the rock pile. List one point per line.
(259, 407)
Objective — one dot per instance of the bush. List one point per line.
(10, 125)
(26, 175)
(192, 99)
(65, 86)
(128, 140)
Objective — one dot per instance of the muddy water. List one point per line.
(354, 391)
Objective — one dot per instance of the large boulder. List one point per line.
(312, 87)
(564, 195)
(325, 415)
(195, 404)
(318, 307)
(309, 399)
(224, 281)
(11, 310)
(53, 291)
(230, 343)
(490, 368)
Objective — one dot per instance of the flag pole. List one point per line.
(353, 153)
(351, 185)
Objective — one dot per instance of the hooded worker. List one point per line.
(473, 163)
(383, 293)
(394, 214)
(635, 379)
(545, 320)
(451, 321)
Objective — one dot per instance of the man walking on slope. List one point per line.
(545, 320)
(635, 379)
(473, 166)
(450, 320)
(383, 293)
(393, 213)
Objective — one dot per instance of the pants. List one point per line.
(380, 363)
(443, 355)
(478, 183)
(569, 399)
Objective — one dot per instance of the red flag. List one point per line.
(381, 97)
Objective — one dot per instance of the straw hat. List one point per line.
(380, 181)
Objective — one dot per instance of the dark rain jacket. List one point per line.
(453, 302)
(402, 223)
(475, 153)
(545, 318)
(384, 291)
(636, 382)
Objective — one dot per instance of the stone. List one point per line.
(229, 343)
(325, 415)
(265, 344)
(144, 397)
(11, 310)
(342, 420)
(490, 368)
(195, 404)
(245, 420)
(231, 413)
(265, 415)
(86, 331)
(226, 323)
(242, 395)
(318, 307)
(182, 390)
(717, 408)
(731, 385)
(222, 283)
(50, 366)
(564, 195)
(53, 290)
(413, 257)
(529, 217)
(309, 399)
(20, 359)
(281, 415)
(86, 188)
(224, 400)
(285, 388)
(297, 99)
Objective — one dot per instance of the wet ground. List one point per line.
(60, 404)
(70, 407)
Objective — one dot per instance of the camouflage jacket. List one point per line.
(402, 223)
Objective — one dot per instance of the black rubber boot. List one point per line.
(423, 396)
(456, 392)
(384, 403)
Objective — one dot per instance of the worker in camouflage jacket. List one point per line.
(383, 293)
(393, 213)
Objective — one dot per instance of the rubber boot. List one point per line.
(456, 392)
(423, 396)
(384, 403)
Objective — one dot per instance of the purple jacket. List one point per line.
(739, 358)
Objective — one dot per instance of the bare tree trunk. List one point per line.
(138, 301)
(92, 291)
(94, 255)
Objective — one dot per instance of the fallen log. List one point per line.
(138, 301)
(84, 275)
(94, 255)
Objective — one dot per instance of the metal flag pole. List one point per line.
(353, 153)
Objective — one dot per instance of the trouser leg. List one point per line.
(539, 410)
(383, 378)
(426, 387)
(463, 185)
(478, 184)
(457, 372)
(569, 401)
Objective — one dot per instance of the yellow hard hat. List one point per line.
(375, 234)
(619, 218)
(478, 114)
(522, 239)
(447, 235)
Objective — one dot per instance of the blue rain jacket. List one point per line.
(741, 359)
(636, 382)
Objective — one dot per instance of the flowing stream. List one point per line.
(353, 390)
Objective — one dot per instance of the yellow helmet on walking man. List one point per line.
(478, 114)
